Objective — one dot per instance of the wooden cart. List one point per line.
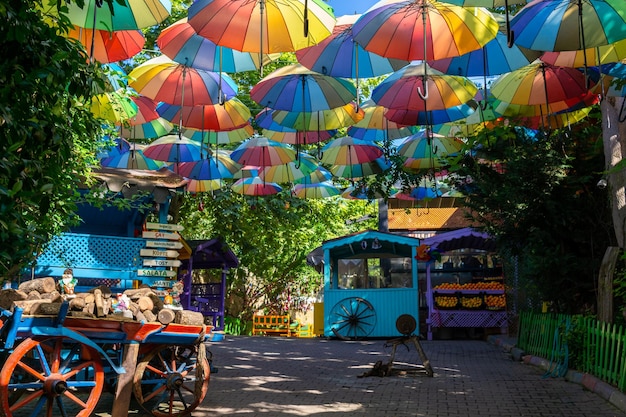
(60, 365)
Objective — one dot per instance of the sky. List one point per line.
(343, 7)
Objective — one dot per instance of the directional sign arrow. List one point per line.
(155, 273)
(156, 253)
(162, 262)
(163, 244)
(160, 235)
(164, 226)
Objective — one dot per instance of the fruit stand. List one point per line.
(464, 282)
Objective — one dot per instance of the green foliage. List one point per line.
(48, 135)
(271, 236)
(537, 196)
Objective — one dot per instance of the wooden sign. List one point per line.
(155, 273)
(164, 226)
(163, 244)
(162, 262)
(160, 235)
(156, 253)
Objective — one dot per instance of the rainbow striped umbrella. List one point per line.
(148, 130)
(315, 190)
(213, 167)
(423, 30)
(320, 174)
(375, 127)
(426, 150)
(220, 137)
(132, 159)
(337, 118)
(291, 171)
(182, 44)
(357, 171)
(174, 148)
(262, 152)
(350, 151)
(295, 137)
(204, 186)
(105, 46)
(232, 114)
(432, 117)
(255, 186)
(116, 107)
(598, 55)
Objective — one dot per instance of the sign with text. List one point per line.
(155, 273)
(162, 262)
(163, 244)
(156, 253)
(160, 235)
(164, 226)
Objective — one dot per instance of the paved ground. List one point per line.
(274, 377)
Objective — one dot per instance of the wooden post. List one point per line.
(124, 388)
(605, 284)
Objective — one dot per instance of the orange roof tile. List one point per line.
(427, 219)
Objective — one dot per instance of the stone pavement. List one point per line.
(276, 376)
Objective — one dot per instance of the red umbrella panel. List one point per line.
(105, 46)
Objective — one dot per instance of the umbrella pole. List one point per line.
(582, 38)
(261, 8)
(424, 95)
(510, 36)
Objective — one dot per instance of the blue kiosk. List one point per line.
(370, 280)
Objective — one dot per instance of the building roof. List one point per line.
(448, 218)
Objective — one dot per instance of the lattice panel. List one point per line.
(456, 318)
(92, 251)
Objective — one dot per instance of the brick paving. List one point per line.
(276, 376)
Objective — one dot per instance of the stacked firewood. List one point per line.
(41, 296)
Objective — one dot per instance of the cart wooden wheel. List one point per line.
(54, 376)
(171, 381)
(352, 318)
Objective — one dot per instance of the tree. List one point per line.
(537, 195)
(272, 237)
(48, 136)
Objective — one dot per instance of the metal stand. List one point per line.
(406, 341)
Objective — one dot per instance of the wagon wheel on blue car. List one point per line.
(352, 318)
(171, 381)
(51, 376)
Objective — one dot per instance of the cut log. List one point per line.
(166, 316)
(9, 295)
(81, 314)
(150, 316)
(140, 292)
(89, 298)
(90, 308)
(99, 302)
(77, 304)
(34, 295)
(42, 285)
(104, 291)
(145, 303)
(53, 296)
(30, 306)
(48, 309)
(192, 318)
(158, 303)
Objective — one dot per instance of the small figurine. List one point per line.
(68, 283)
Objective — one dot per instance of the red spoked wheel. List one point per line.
(171, 381)
(54, 376)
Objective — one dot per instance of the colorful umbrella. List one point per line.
(359, 192)
(320, 174)
(350, 151)
(431, 117)
(265, 26)
(203, 186)
(115, 106)
(174, 148)
(213, 167)
(423, 30)
(362, 170)
(376, 127)
(117, 15)
(232, 114)
(295, 137)
(415, 87)
(426, 150)
(262, 152)
(568, 25)
(520, 110)
(339, 55)
(149, 130)
(336, 118)
(295, 88)
(255, 186)
(132, 159)
(162, 79)
(315, 190)
(416, 193)
(595, 56)
(220, 137)
(540, 84)
(105, 46)
(291, 171)
(182, 44)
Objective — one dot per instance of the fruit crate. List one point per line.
(472, 301)
(446, 301)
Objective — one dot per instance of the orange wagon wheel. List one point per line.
(53, 376)
(171, 381)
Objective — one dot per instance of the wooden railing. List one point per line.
(599, 348)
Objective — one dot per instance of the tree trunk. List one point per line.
(605, 284)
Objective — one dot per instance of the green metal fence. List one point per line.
(593, 347)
